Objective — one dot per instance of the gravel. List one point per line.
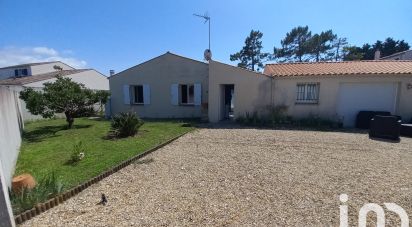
(220, 177)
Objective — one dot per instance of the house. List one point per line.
(403, 55)
(172, 86)
(168, 86)
(339, 90)
(32, 69)
(34, 75)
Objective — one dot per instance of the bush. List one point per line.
(48, 187)
(77, 153)
(125, 124)
(317, 122)
(278, 115)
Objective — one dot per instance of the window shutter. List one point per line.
(174, 94)
(126, 94)
(146, 94)
(198, 94)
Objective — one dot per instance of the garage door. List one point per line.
(354, 97)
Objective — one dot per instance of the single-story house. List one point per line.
(47, 72)
(172, 86)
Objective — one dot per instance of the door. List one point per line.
(354, 97)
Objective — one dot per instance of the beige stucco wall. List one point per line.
(285, 93)
(160, 73)
(251, 90)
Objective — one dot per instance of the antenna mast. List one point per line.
(207, 19)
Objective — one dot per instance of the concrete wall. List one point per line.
(48, 67)
(10, 128)
(251, 90)
(90, 78)
(160, 73)
(285, 93)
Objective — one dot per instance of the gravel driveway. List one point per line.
(220, 177)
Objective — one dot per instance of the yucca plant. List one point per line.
(125, 124)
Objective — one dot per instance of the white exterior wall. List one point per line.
(10, 128)
(48, 67)
(90, 78)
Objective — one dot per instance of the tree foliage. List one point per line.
(367, 51)
(295, 46)
(300, 45)
(62, 96)
(251, 56)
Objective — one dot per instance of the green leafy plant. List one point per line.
(77, 154)
(125, 124)
(47, 187)
(62, 96)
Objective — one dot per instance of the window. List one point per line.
(20, 72)
(187, 94)
(138, 94)
(307, 93)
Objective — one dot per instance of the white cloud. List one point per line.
(21, 55)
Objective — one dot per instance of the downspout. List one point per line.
(271, 91)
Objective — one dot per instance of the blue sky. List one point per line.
(105, 34)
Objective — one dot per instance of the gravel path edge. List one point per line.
(55, 201)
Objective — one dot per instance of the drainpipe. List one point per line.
(271, 91)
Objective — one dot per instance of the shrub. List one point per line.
(317, 122)
(48, 187)
(277, 115)
(126, 124)
(77, 153)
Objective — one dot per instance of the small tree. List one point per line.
(62, 96)
(251, 56)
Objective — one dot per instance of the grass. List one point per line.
(47, 147)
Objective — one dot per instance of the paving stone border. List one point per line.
(42, 207)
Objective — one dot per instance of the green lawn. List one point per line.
(47, 146)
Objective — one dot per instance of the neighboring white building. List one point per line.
(36, 74)
(404, 55)
(32, 69)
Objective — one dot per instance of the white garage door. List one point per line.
(354, 97)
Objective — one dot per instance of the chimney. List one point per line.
(111, 72)
(377, 54)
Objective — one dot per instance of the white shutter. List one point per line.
(174, 94)
(198, 94)
(146, 94)
(126, 94)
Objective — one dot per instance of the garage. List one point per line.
(354, 97)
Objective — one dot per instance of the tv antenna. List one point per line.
(207, 19)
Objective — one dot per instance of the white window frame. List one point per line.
(134, 101)
(187, 93)
(307, 93)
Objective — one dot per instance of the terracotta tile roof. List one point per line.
(39, 77)
(338, 68)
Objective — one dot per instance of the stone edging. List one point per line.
(42, 207)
